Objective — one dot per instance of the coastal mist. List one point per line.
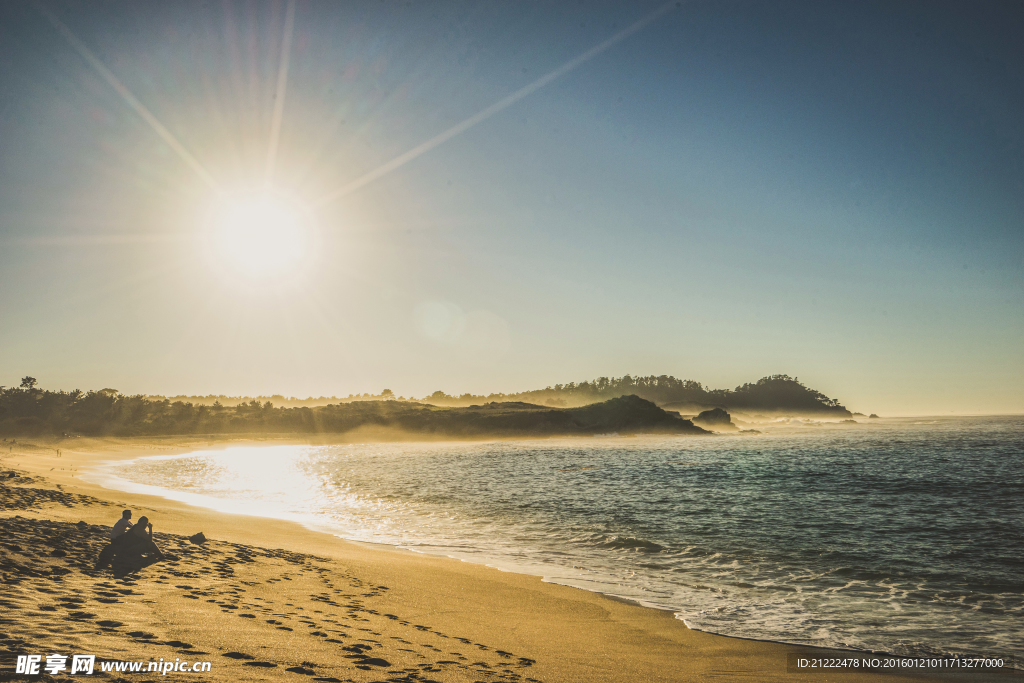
(901, 535)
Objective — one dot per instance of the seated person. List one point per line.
(129, 547)
(140, 540)
(122, 525)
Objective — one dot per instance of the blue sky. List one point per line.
(829, 190)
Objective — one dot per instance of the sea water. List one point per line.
(903, 536)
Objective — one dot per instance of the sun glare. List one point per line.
(262, 235)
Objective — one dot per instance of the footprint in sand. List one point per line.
(301, 670)
(343, 593)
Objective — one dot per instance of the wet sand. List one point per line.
(265, 599)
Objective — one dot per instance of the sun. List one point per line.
(261, 235)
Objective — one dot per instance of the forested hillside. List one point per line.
(774, 394)
(27, 409)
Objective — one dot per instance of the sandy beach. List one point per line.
(265, 599)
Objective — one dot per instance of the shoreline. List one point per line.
(566, 633)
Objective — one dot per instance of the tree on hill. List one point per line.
(775, 393)
(769, 393)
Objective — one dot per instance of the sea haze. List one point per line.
(901, 535)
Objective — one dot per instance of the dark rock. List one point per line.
(198, 539)
(716, 419)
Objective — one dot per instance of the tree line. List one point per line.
(27, 409)
(773, 393)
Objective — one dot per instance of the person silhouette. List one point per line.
(122, 525)
(126, 551)
(140, 540)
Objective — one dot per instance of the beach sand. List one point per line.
(265, 599)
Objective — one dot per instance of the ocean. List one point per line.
(903, 536)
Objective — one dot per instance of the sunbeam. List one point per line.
(77, 241)
(127, 96)
(282, 85)
(494, 108)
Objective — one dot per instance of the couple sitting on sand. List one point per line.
(129, 543)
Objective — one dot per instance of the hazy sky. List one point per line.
(829, 190)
